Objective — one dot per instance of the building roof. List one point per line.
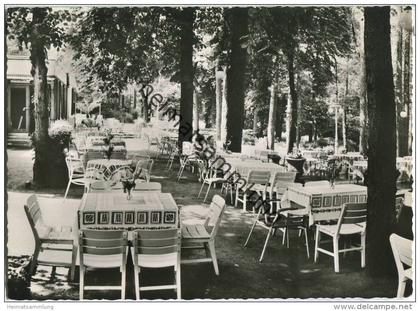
(19, 68)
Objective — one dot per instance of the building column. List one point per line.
(9, 107)
(28, 104)
(52, 101)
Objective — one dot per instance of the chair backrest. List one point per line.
(187, 148)
(353, 213)
(102, 243)
(403, 251)
(214, 217)
(72, 164)
(34, 215)
(281, 180)
(148, 186)
(259, 177)
(318, 183)
(156, 242)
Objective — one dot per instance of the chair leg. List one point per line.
(363, 251)
(213, 257)
(283, 240)
(336, 255)
(265, 244)
(178, 281)
(307, 243)
(207, 193)
(244, 203)
(181, 170)
(136, 282)
(317, 239)
(250, 232)
(201, 189)
(34, 261)
(401, 288)
(67, 190)
(73, 262)
(123, 279)
(236, 197)
(81, 282)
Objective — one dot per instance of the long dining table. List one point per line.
(324, 202)
(112, 210)
(243, 167)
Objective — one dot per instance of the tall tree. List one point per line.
(272, 116)
(185, 18)
(382, 138)
(39, 28)
(235, 76)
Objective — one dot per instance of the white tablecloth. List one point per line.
(112, 210)
(324, 202)
(244, 167)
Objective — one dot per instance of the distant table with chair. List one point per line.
(108, 167)
(112, 210)
(98, 152)
(243, 167)
(324, 202)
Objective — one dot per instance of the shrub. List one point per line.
(60, 132)
(128, 118)
(18, 278)
(322, 142)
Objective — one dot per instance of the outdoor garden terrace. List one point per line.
(210, 153)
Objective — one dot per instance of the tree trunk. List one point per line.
(288, 119)
(272, 114)
(358, 26)
(311, 132)
(255, 120)
(281, 107)
(381, 154)
(219, 100)
(407, 91)
(223, 121)
(294, 101)
(196, 113)
(236, 77)
(186, 75)
(41, 169)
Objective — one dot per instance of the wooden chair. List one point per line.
(352, 221)
(278, 185)
(157, 249)
(54, 246)
(259, 179)
(210, 177)
(148, 187)
(202, 236)
(102, 249)
(144, 167)
(279, 220)
(403, 254)
(174, 153)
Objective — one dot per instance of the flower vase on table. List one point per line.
(128, 184)
(109, 147)
(108, 151)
